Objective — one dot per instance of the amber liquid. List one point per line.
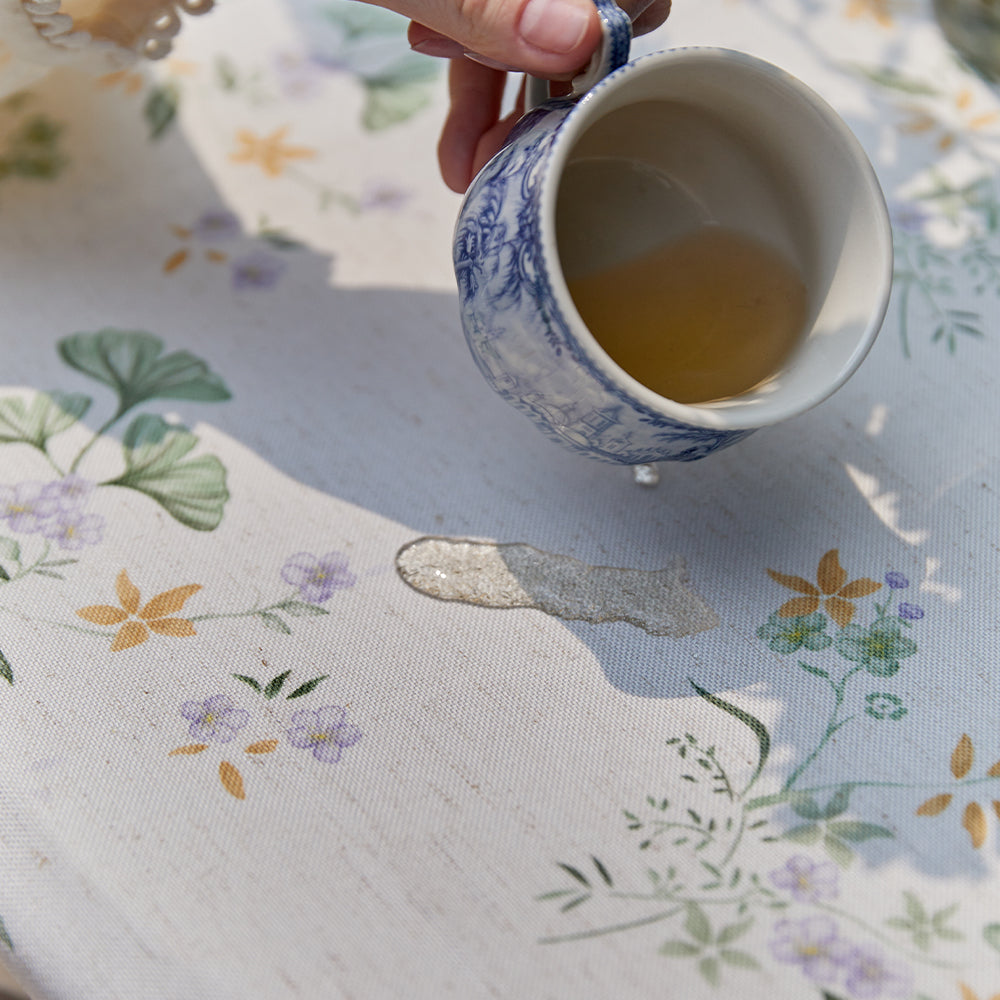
(706, 317)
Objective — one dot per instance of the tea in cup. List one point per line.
(694, 248)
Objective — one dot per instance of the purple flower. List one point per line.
(908, 216)
(813, 944)
(257, 269)
(26, 507)
(214, 719)
(871, 975)
(807, 880)
(896, 580)
(911, 612)
(325, 731)
(385, 195)
(217, 224)
(318, 577)
(299, 76)
(73, 529)
(71, 492)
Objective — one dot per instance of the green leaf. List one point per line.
(709, 968)
(4, 575)
(160, 109)
(678, 949)
(389, 103)
(6, 672)
(697, 925)
(193, 491)
(838, 802)
(575, 873)
(807, 833)
(804, 805)
(301, 609)
(602, 871)
(276, 683)
(888, 76)
(307, 687)
(574, 902)
(44, 417)
(738, 958)
(132, 363)
(991, 935)
(838, 850)
(756, 726)
(813, 670)
(4, 936)
(273, 622)
(914, 908)
(248, 680)
(855, 830)
(734, 931)
(10, 550)
(554, 894)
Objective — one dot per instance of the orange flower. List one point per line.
(973, 818)
(879, 10)
(831, 590)
(969, 994)
(270, 152)
(136, 623)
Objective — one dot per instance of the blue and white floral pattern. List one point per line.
(518, 335)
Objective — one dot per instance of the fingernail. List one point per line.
(491, 63)
(554, 25)
(440, 48)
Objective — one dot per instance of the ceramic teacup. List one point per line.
(582, 182)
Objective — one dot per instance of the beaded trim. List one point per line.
(58, 29)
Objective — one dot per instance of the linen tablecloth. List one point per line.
(325, 675)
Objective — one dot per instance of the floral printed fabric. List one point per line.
(241, 757)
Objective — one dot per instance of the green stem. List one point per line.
(613, 929)
(784, 795)
(643, 921)
(55, 624)
(834, 723)
(736, 841)
(256, 610)
(98, 434)
(874, 932)
(904, 300)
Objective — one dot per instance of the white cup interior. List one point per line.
(711, 135)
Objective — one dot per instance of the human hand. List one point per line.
(486, 39)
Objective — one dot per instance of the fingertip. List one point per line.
(563, 33)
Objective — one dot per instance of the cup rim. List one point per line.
(722, 415)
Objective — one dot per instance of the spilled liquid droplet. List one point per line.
(515, 575)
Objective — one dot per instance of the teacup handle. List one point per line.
(616, 37)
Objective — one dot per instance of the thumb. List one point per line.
(549, 38)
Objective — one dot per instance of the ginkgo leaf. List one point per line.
(803, 586)
(169, 601)
(172, 626)
(935, 805)
(231, 780)
(129, 635)
(191, 748)
(262, 746)
(102, 614)
(831, 576)
(994, 771)
(974, 820)
(128, 592)
(962, 757)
